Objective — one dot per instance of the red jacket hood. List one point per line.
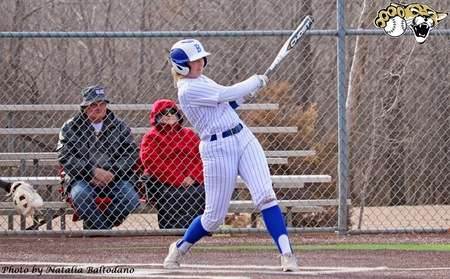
(158, 107)
(170, 154)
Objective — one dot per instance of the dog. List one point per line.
(26, 199)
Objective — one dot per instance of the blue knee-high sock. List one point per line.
(273, 218)
(193, 234)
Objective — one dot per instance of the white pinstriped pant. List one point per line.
(225, 158)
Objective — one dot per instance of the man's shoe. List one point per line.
(173, 258)
(289, 262)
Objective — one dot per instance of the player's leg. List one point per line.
(220, 171)
(254, 170)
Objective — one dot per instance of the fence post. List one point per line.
(342, 133)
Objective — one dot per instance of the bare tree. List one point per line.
(85, 19)
(107, 48)
(142, 50)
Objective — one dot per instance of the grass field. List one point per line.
(419, 247)
(430, 247)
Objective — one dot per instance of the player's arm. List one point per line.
(215, 93)
(241, 89)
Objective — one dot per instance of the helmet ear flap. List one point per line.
(182, 70)
(179, 60)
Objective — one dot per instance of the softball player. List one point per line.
(227, 148)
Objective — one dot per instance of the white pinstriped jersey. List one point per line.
(205, 103)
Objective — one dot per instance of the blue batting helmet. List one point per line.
(184, 51)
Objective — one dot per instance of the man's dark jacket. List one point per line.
(81, 149)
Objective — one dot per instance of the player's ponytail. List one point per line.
(176, 77)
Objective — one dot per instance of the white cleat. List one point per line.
(289, 262)
(173, 258)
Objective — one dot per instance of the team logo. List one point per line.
(420, 18)
(99, 91)
(198, 47)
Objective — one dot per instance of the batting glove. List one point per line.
(264, 80)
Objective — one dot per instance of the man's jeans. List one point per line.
(124, 201)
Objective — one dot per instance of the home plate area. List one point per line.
(248, 271)
(155, 270)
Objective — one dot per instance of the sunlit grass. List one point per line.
(437, 247)
(419, 247)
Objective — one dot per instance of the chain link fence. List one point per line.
(396, 111)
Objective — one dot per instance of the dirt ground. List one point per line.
(226, 257)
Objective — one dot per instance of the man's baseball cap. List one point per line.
(93, 94)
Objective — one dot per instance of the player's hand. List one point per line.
(264, 80)
(188, 181)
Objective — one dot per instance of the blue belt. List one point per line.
(228, 133)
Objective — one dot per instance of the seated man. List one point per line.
(171, 159)
(98, 152)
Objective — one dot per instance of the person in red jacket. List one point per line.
(171, 161)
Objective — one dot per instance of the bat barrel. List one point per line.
(290, 43)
